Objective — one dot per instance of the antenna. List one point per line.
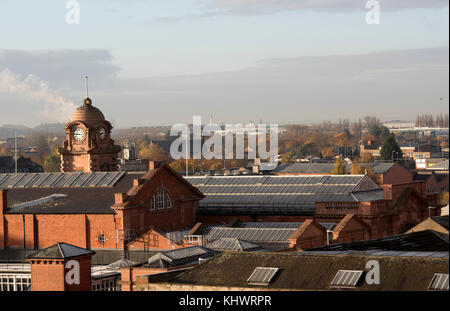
(15, 150)
(87, 86)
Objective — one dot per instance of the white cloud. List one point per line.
(212, 8)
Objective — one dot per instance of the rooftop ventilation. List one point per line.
(439, 282)
(262, 276)
(346, 278)
(41, 201)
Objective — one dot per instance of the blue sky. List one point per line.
(160, 41)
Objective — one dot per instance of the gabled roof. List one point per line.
(284, 195)
(121, 263)
(232, 244)
(61, 251)
(442, 220)
(181, 256)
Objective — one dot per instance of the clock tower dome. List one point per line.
(88, 146)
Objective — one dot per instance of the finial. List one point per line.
(87, 87)
(87, 100)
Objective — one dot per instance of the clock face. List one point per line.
(79, 134)
(102, 133)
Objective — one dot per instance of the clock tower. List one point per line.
(88, 146)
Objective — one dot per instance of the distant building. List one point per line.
(386, 173)
(129, 161)
(24, 165)
(96, 210)
(11, 143)
(387, 209)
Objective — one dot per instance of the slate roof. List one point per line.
(443, 165)
(91, 198)
(61, 251)
(181, 256)
(283, 195)
(7, 165)
(121, 264)
(420, 241)
(327, 168)
(232, 244)
(442, 220)
(313, 271)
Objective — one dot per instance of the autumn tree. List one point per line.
(153, 152)
(356, 169)
(287, 157)
(339, 167)
(328, 152)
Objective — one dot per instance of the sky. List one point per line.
(159, 62)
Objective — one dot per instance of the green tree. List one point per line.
(384, 133)
(390, 148)
(52, 163)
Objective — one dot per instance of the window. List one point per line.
(14, 282)
(168, 200)
(346, 278)
(439, 282)
(102, 239)
(153, 204)
(160, 200)
(160, 197)
(262, 276)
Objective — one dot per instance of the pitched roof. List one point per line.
(7, 165)
(93, 196)
(287, 195)
(312, 271)
(426, 241)
(61, 251)
(443, 165)
(179, 257)
(232, 244)
(442, 220)
(327, 168)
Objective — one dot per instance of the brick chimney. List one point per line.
(3, 200)
(61, 267)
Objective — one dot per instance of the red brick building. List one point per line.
(88, 147)
(386, 209)
(93, 210)
(61, 267)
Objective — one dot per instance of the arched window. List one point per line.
(161, 199)
(168, 200)
(153, 203)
